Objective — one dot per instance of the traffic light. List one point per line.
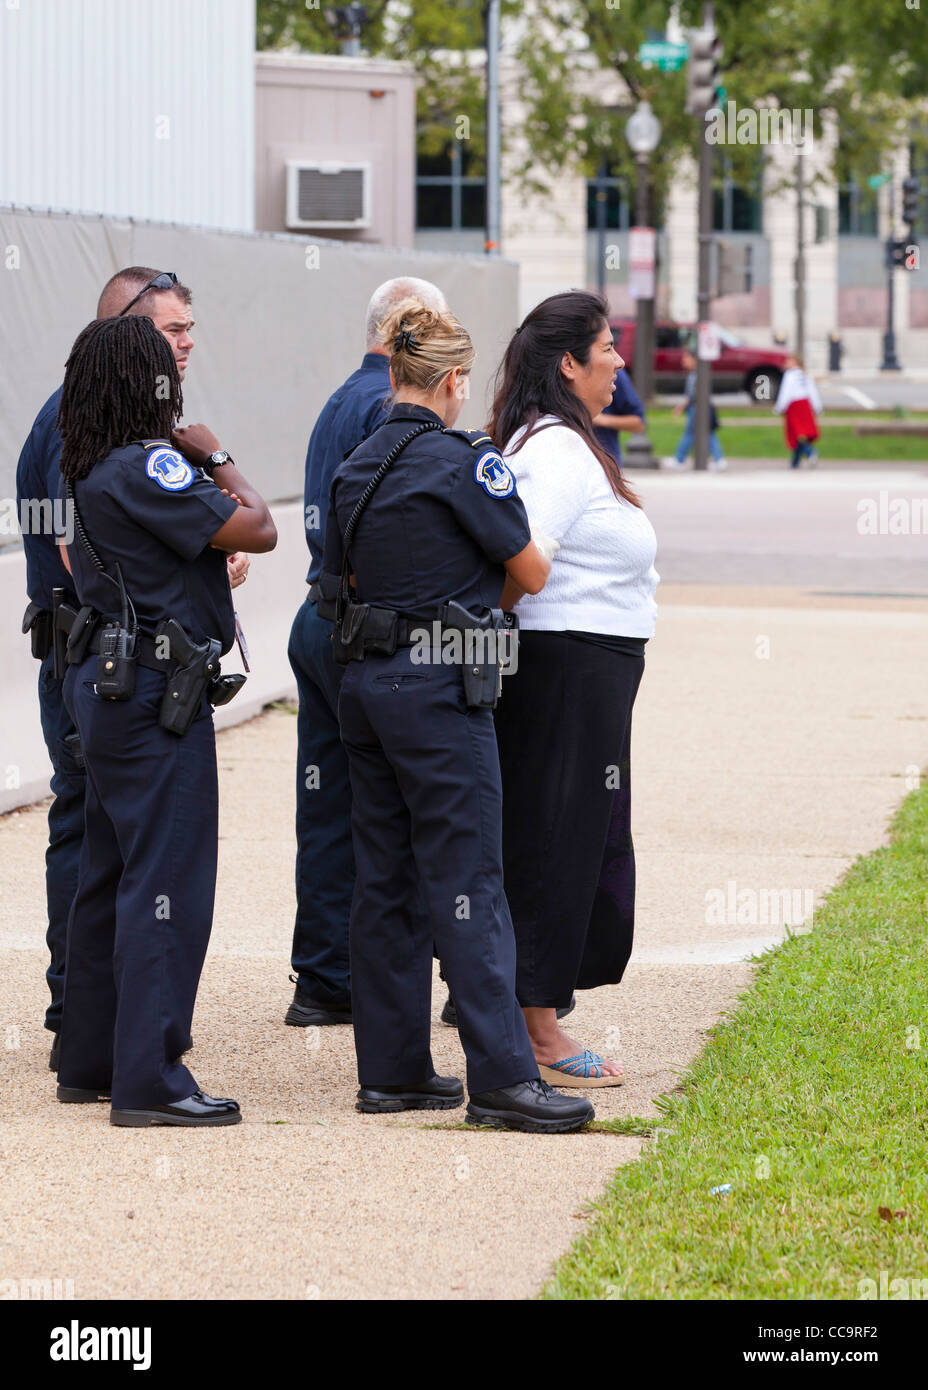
(898, 251)
(704, 73)
(910, 197)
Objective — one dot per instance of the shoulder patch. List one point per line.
(169, 469)
(492, 473)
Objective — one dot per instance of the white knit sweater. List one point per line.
(603, 577)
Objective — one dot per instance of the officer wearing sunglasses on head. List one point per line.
(160, 296)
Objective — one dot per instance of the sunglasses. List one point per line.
(165, 281)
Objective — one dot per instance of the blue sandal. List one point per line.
(586, 1069)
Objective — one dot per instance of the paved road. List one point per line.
(811, 528)
(775, 732)
(840, 392)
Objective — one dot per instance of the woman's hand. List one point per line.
(195, 442)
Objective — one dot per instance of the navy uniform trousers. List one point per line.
(324, 856)
(141, 918)
(426, 819)
(65, 830)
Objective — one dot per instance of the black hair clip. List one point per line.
(405, 340)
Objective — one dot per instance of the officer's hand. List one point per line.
(238, 568)
(195, 442)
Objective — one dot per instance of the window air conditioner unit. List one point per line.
(326, 195)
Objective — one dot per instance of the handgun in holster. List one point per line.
(197, 674)
(482, 678)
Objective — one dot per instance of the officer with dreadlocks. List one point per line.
(160, 296)
(152, 525)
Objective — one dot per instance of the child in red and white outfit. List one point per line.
(799, 403)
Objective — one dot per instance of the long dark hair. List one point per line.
(121, 383)
(529, 382)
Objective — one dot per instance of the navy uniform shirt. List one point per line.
(145, 508)
(439, 526)
(625, 401)
(37, 480)
(350, 414)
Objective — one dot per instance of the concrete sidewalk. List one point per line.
(773, 739)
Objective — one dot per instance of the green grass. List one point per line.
(810, 1100)
(766, 441)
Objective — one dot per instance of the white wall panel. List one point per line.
(141, 108)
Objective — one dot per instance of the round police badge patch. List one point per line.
(492, 473)
(169, 469)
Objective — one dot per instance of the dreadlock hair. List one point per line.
(529, 382)
(121, 384)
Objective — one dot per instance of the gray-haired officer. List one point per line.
(324, 857)
(427, 520)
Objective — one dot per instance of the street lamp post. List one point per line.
(643, 132)
(890, 362)
(493, 234)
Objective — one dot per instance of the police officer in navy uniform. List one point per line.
(324, 856)
(148, 562)
(160, 296)
(443, 525)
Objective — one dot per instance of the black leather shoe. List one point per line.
(75, 1095)
(55, 1053)
(533, 1106)
(304, 1012)
(197, 1109)
(438, 1093)
(449, 1013)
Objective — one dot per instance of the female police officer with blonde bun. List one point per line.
(423, 516)
(148, 559)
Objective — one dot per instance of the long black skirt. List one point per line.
(563, 726)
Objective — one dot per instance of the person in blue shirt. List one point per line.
(324, 859)
(158, 295)
(624, 412)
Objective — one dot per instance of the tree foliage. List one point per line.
(861, 64)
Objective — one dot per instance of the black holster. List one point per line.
(197, 665)
(362, 629)
(37, 621)
(323, 592)
(482, 670)
(197, 674)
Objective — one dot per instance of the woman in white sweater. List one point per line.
(564, 718)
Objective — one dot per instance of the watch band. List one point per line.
(216, 460)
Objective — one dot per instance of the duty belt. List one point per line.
(192, 668)
(85, 637)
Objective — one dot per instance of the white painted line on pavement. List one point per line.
(858, 396)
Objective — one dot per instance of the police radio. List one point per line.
(116, 663)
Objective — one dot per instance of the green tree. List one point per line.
(863, 64)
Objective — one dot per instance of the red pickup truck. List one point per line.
(739, 368)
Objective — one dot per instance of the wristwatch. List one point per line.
(216, 460)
